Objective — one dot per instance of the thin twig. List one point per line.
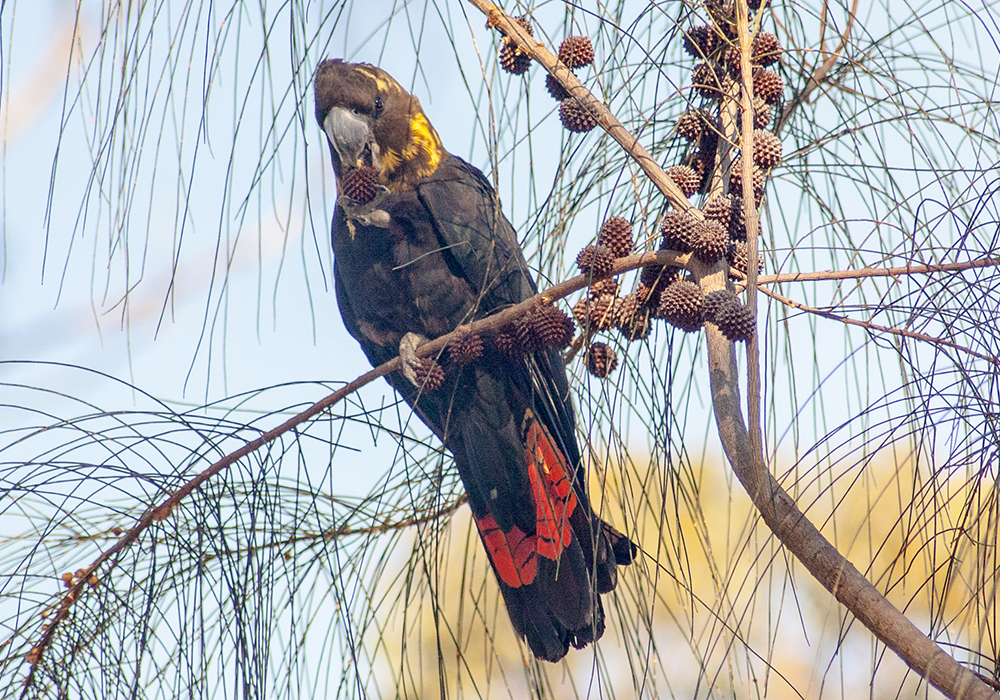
(819, 75)
(877, 272)
(868, 325)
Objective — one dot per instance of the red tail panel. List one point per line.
(555, 499)
(513, 553)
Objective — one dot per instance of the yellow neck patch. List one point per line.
(418, 159)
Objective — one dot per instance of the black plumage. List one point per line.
(433, 251)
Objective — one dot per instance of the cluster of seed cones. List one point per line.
(720, 234)
(574, 52)
(663, 292)
(513, 59)
(545, 328)
(602, 308)
(715, 76)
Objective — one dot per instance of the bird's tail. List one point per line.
(552, 578)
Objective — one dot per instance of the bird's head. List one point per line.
(370, 120)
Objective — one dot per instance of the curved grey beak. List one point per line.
(348, 133)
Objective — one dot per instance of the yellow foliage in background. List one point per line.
(712, 607)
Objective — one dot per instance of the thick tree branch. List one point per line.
(824, 562)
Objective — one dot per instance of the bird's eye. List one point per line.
(379, 106)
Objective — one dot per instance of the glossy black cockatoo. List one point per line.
(431, 251)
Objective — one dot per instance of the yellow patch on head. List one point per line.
(390, 160)
(419, 159)
(423, 138)
(382, 81)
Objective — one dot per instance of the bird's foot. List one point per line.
(408, 355)
(368, 213)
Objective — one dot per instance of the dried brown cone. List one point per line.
(594, 313)
(526, 25)
(555, 88)
(632, 316)
(513, 60)
(639, 327)
(756, 4)
(695, 161)
(714, 301)
(739, 259)
(601, 360)
(581, 310)
(505, 341)
(766, 49)
(720, 208)
(575, 117)
(692, 123)
(735, 321)
(731, 61)
(608, 285)
(552, 327)
(655, 279)
(616, 235)
(706, 82)
(680, 305)
(726, 81)
(702, 161)
(736, 179)
(677, 228)
(724, 16)
(738, 222)
(768, 86)
(685, 178)
(625, 308)
(711, 241)
(596, 261)
(430, 375)
(762, 113)
(576, 51)
(709, 135)
(526, 335)
(465, 348)
(700, 41)
(766, 149)
(360, 184)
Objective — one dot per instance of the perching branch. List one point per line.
(80, 585)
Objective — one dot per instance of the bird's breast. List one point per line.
(398, 279)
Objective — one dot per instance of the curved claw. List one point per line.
(367, 214)
(408, 355)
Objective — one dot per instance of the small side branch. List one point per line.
(864, 272)
(877, 328)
